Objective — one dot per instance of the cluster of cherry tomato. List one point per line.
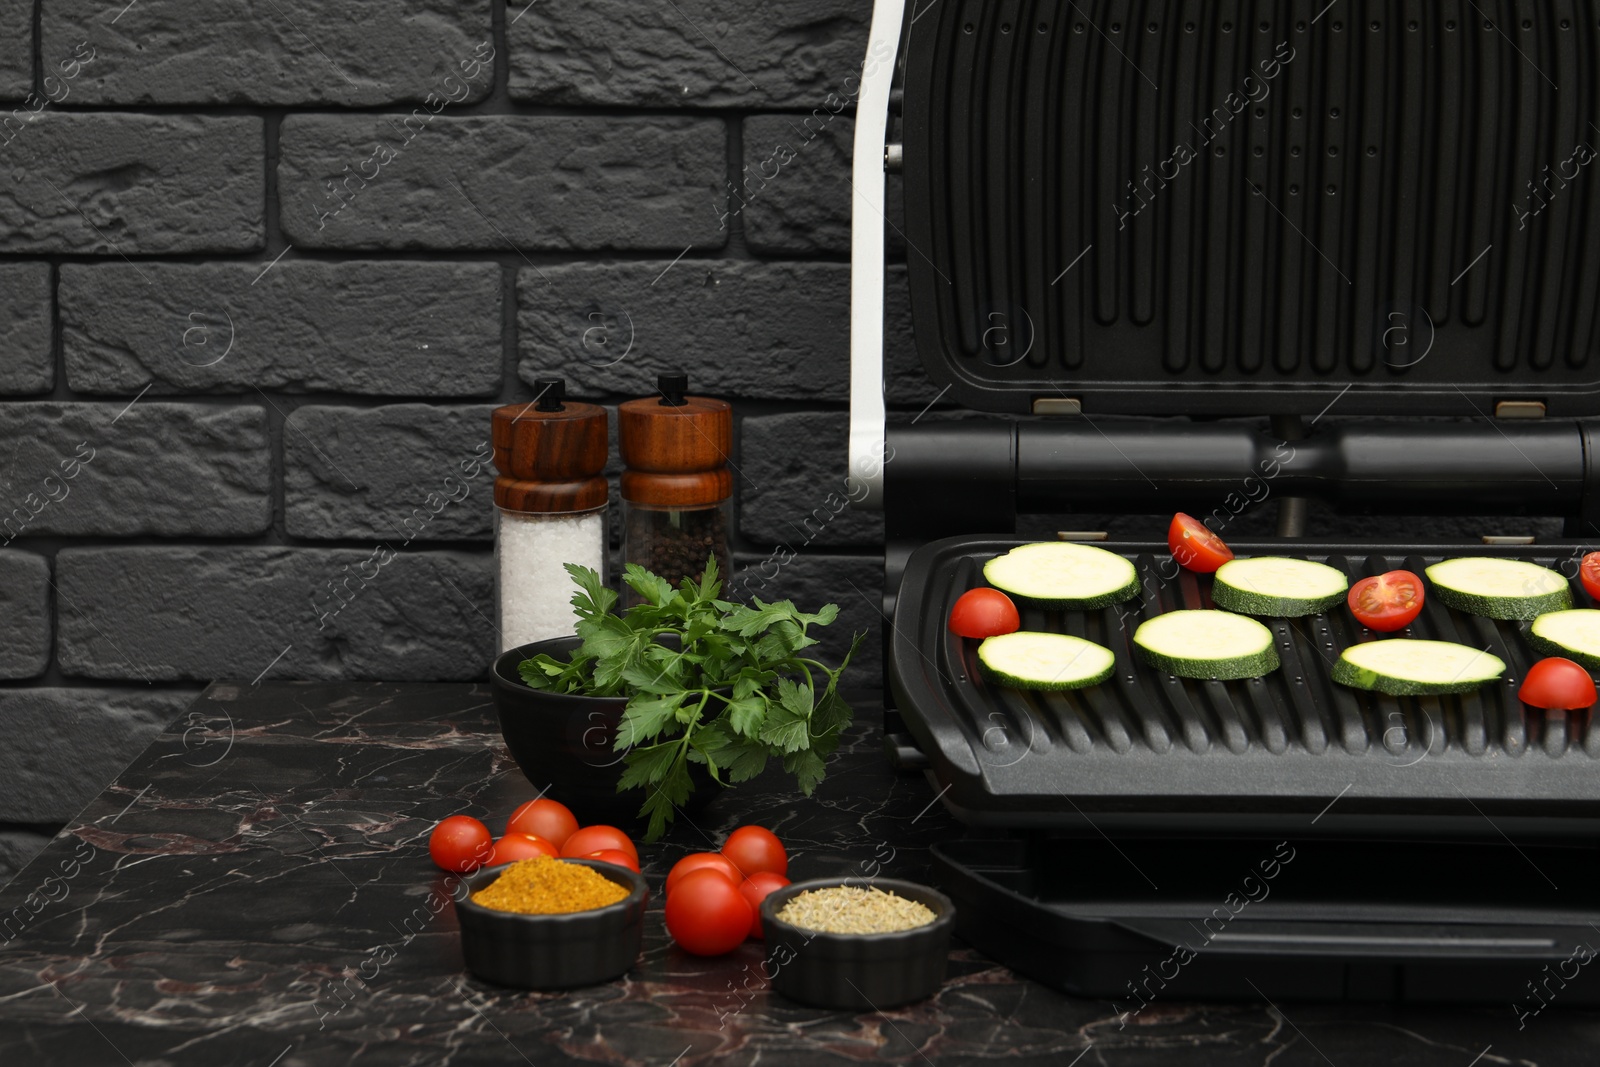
(540, 827)
(714, 898)
(1384, 602)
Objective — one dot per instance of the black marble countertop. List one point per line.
(239, 896)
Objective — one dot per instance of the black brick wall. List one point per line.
(264, 271)
(265, 268)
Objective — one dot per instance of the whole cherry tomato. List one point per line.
(755, 848)
(1194, 546)
(513, 847)
(698, 861)
(549, 819)
(459, 843)
(755, 890)
(707, 915)
(1557, 684)
(615, 856)
(594, 838)
(1386, 602)
(984, 613)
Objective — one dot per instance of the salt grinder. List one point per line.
(550, 499)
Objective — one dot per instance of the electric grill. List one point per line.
(1280, 226)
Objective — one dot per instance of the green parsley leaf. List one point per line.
(807, 767)
(655, 591)
(745, 715)
(665, 799)
(711, 682)
(788, 725)
(592, 597)
(645, 717)
(648, 765)
(744, 760)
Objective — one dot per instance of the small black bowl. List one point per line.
(858, 971)
(563, 742)
(553, 951)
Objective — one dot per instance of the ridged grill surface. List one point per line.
(1147, 738)
(1228, 207)
(1298, 706)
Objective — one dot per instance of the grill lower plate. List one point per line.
(1292, 752)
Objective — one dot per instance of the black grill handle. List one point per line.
(1411, 468)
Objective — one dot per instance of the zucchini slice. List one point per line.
(1063, 574)
(1574, 634)
(1207, 645)
(1499, 588)
(1276, 586)
(1027, 660)
(1409, 667)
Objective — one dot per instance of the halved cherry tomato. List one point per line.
(513, 847)
(755, 890)
(549, 819)
(615, 856)
(594, 838)
(696, 861)
(1194, 546)
(1387, 602)
(755, 848)
(1589, 574)
(707, 915)
(984, 613)
(459, 843)
(1557, 684)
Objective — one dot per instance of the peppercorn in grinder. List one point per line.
(677, 490)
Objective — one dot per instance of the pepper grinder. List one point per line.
(550, 501)
(677, 490)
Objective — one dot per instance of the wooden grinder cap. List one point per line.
(675, 447)
(550, 452)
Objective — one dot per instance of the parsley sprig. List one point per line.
(708, 681)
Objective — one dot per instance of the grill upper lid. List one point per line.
(1181, 209)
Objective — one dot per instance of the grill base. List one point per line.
(1144, 923)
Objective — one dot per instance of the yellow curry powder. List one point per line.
(547, 886)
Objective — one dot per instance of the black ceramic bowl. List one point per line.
(563, 743)
(553, 951)
(858, 971)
